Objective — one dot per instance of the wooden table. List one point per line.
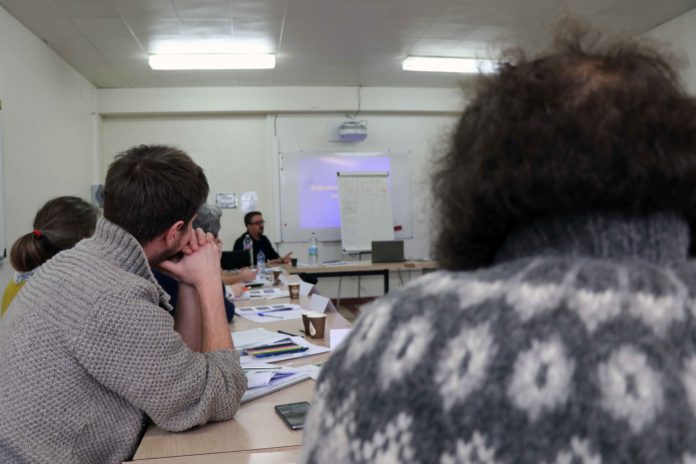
(280, 456)
(361, 268)
(256, 428)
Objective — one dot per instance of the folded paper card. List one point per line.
(318, 303)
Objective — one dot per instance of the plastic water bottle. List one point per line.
(313, 249)
(248, 245)
(261, 262)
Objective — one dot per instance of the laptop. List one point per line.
(234, 260)
(388, 251)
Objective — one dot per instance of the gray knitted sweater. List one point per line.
(577, 346)
(88, 351)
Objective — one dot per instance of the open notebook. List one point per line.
(275, 385)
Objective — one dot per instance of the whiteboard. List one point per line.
(365, 210)
(308, 191)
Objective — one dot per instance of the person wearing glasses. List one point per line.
(254, 223)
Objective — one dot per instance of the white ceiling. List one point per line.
(317, 42)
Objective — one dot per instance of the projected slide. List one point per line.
(308, 193)
(317, 187)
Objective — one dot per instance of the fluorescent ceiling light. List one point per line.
(455, 65)
(213, 61)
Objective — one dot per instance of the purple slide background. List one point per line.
(317, 187)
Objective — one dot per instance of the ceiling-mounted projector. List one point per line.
(352, 131)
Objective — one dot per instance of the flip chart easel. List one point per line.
(366, 212)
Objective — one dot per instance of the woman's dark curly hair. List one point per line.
(586, 127)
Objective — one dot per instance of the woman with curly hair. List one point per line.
(563, 325)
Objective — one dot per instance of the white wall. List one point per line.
(233, 151)
(679, 35)
(46, 113)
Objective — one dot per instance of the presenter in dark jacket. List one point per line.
(254, 223)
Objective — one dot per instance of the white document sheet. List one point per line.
(261, 379)
(256, 337)
(271, 313)
(270, 293)
(313, 369)
(336, 337)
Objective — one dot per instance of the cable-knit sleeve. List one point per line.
(130, 346)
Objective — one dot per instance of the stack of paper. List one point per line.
(268, 293)
(256, 337)
(274, 350)
(311, 350)
(278, 380)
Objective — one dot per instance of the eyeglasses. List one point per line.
(257, 223)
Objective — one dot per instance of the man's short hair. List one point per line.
(249, 216)
(150, 187)
(586, 127)
(208, 218)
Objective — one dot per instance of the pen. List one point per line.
(269, 315)
(267, 355)
(276, 309)
(288, 333)
(287, 344)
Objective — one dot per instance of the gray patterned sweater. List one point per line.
(577, 346)
(88, 351)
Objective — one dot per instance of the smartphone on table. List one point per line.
(293, 414)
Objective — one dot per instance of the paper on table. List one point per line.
(318, 303)
(274, 385)
(258, 379)
(261, 379)
(266, 308)
(269, 293)
(255, 337)
(313, 349)
(271, 313)
(336, 337)
(259, 366)
(243, 296)
(313, 369)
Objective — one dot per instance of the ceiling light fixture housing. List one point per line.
(452, 65)
(213, 61)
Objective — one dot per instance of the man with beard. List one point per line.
(91, 349)
(254, 223)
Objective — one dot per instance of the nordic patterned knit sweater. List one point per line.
(88, 351)
(577, 346)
